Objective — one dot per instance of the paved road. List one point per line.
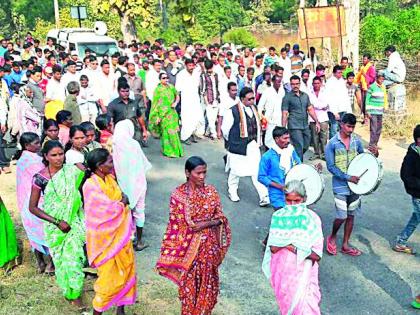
(379, 282)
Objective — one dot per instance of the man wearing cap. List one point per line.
(75, 57)
(296, 60)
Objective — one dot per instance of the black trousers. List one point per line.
(3, 159)
(300, 139)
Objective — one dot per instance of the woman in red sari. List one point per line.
(196, 241)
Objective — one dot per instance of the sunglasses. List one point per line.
(164, 78)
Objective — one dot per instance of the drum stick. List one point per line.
(363, 173)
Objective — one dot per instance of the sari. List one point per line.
(62, 201)
(26, 167)
(8, 244)
(130, 164)
(109, 227)
(293, 277)
(191, 259)
(168, 126)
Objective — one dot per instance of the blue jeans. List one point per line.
(412, 223)
(390, 78)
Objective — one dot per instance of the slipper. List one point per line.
(404, 249)
(331, 248)
(140, 247)
(416, 303)
(351, 251)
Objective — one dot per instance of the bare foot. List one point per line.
(140, 246)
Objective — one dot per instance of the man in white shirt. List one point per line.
(285, 63)
(71, 75)
(152, 78)
(258, 66)
(55, 88)
(220, 67)
(395, 72)
(192, 116)
(338, 99)
(318, 99)
(225, 106)
(270, 106)
(106, 78)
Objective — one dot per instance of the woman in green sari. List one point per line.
(58, 184)
(8, 245)
(164, 120)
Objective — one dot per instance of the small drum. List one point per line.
(311, 179)
(369, 169)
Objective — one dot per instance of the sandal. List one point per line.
(400, 248)
(331, 248)
(139, 247)
(351, 251)
(416, 303)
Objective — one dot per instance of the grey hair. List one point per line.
(73, 87)
(296, 186)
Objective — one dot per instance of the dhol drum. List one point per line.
(311, 179)
(369, 169)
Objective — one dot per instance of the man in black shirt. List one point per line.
(125, 108)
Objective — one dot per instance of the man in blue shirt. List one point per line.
(275, 164)
(339, 152)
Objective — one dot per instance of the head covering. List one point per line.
(295, 46)
(130, 163)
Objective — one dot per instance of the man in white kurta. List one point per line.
(241, 128)
(270, 106)
(192, 116)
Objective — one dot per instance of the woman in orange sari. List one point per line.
(109, 228)
(196, 241)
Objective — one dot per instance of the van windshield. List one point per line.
(100, 49)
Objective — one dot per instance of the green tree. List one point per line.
(128, 11)
(240, 36)
(282, 11)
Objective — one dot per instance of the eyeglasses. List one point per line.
(164, 78)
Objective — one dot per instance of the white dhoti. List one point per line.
(192, 118)
(245, 165)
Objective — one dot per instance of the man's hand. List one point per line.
(173, 105)
(277, 185)
(3, 129)
(317, 127)
(318, 167)
(354, 179)
(374, 150)
(145, 135)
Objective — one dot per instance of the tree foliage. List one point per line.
(240, 36)
(400, 29)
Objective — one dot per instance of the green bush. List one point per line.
(240, 36)
(400, 29)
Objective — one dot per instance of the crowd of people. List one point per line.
(81, 122)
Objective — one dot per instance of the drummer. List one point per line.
(274, 165)
(339, 152)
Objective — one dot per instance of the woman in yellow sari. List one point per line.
(109, 228)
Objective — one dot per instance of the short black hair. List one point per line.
(230, 84)
(279, 131)
(62, 116)
(123, 86)
(349, 118)
(336, 68)
(350, 74)
(246, 90)
(390, 48)
(305, 71)
(416, 132)
(294, 77)
(102, 121)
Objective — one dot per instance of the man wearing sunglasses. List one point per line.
(241, 128)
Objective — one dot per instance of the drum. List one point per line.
(369, 169)
(311, 179)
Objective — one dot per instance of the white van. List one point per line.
(79, 39)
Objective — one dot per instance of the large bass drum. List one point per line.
(311, 179)
(369, 169)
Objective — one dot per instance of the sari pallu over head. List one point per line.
(180, 244)
(292, 225)
(108, 222)
(26, 167)
(130, 163)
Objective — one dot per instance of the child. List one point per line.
(90, 133)
(106, 127)
(76, 148)
(376, 103)
(65, 121)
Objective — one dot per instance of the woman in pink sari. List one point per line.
(109, 228)
(293, 251)
(30, 163)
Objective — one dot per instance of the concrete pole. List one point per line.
(351, 40)
(57, 14)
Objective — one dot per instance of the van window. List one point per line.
(100, 49)
(72, 46)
